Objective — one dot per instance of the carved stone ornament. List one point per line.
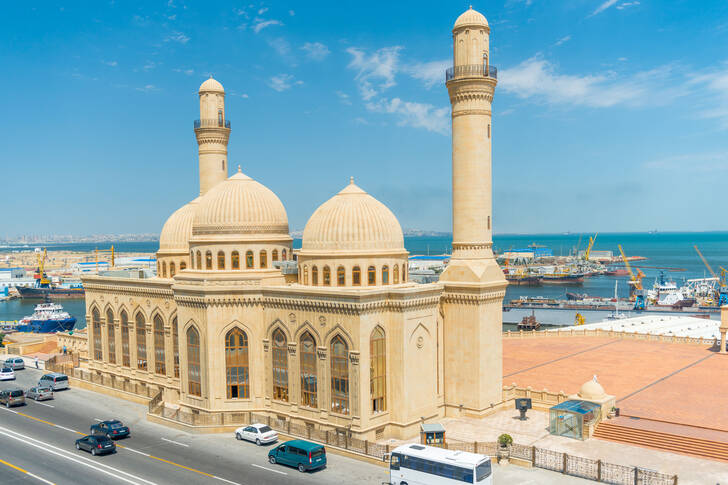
(292, 317)
(322, 320)
(420, 342)
(166, 304)
(354, 358)
(101, 297)
(321, 351)
(149, 303)
(266, 345)
(292, 348)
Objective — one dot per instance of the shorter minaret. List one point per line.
(213, 132)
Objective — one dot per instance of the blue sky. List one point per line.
(608, 116)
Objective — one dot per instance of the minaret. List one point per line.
(213, 132)
(474, 283)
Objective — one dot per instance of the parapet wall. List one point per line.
(598, 332)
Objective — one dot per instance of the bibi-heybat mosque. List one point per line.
(333, 335)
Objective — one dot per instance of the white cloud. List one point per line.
(343, 97)
(261, 24)
(376, 71)
(110, 63)
(177, 37)
(189, 72)
(697, 162)
(416, 115)
(713, 87)
(316, 50)
(149, 65)
(291, 13)
(430, 73)
(282, 82)
(601, 8)
(563, 40)
(624, 5)
(280, 45)
(262, 10)
(147, 88)
(244, 96)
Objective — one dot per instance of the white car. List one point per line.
(258, 433)
(7, 374)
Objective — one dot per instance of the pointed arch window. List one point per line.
(356, 276)
(208, 260)
(164, 270)
(236, 364)
(220, 260)
(327, 276)
(159, 362)
(274, 255)
(378, 370)
(305, 275)
(194, 378)
(263, 259)
(308, 371)
(175, 346)
(125, 357)
(199, 260)
(339, 376)
(96, 319)
(314, 276)
(372, 276)
(385, 275)
(111, 336)
(404, 273)
(341, 276)
(395, 274)
(235, 260)
(249, 259)
(171, 270)
(280, 366)
(182, 266)
(283, 255)
(141, 340)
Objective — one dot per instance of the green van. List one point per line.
(304, 455)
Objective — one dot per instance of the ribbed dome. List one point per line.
(211, 85)
(471, 17)
(352, 220)
(592, 390)
(177, 231)
(240, 205)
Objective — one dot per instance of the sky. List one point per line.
(608, 115)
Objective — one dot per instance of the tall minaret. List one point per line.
(213, 132)
(474, 283)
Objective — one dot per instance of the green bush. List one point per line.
(505, 440)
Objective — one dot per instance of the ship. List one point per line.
(47, 318)
(44, 289)
(529, 322)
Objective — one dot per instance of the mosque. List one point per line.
(333, 335)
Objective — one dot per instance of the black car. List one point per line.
(112, 428)
(97, 445)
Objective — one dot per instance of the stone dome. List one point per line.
(592, 390)
(240, 206)
(177, 231)
(211, 85)
(471, 17)
(352, 221)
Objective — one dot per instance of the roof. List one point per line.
(432, 428)
(471, 17)
(304, 445)
(661, 324)
(463, 458)
(578, 407)
(177, 231)
(211, 85)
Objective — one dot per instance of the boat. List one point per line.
(44, 289)
(47, 318)
(666, 293)
(615, 315)
(523, 280)
(562, 279)
(529, 322)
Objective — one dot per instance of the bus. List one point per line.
(428, 465)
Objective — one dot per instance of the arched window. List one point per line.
(125, 358)
(192, 259)
(159, 363)
(404, 273)
(378, 370)
(263, 259)
(339, 376)
(208, 260)
(249, 259)
(164, 270)
(199, 260)
(220, 260)
(171, 270)
(175, 346)
(308, 371)
(305, 275)
(111, 336)
(236, 364)
(141, 339)
(385, 275)
(283, 255)
(327, 276)
(314, 276)
(280, 366)
(194, 378)
(395, 274)
(372, 276)
(341, 276)
(182, 266)
(274, 255)
(356, 276)
(98, 351)
(235, 260)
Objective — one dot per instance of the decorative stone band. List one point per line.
(343, 308)
(145, 291)
(208, 138)
(199, 229)
(482, 112)
(471, 250)
(473, 298)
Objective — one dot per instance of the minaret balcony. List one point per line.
(212, 123)
(471, 70)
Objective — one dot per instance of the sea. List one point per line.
(672, 253)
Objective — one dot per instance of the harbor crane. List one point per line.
(41, 278)
(722, 289)
(636, 282)
(592, 240)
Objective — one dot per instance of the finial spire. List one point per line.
(239, 171)
(471, 7)
(351, 180)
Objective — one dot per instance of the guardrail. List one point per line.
(599, 332)
(212, 123)
(471, 70)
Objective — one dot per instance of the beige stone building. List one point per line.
(345, 341)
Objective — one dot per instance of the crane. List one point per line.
(636, 281)
(705, 262)
(722, 289)
(42, 280)
(592, 240)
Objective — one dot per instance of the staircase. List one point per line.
(674, 443)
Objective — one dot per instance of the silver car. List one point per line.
(15, 363)
(39, 393)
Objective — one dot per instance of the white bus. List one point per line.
(428, 465)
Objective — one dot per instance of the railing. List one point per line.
(471, 70)
(212, 123)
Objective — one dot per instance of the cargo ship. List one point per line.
(44, 289)
(47, 318)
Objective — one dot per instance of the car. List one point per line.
(258, 433)
(54, 380)
(301, 454)
(112, 428)
(39, 393)
(97, 445)
(15, 363)
(12, 397)
(7, 374)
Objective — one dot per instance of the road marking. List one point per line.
(26, 472)
(97, 419)
(225, 480)
(9, 410)
(80, 460)
(181, 466)
(132, 449)
(69, 429)
(36, 419)
(269, 469)
(175, 442)
(44, 404)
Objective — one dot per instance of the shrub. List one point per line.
(505, 440)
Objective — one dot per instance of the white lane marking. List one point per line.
(175, 442)
(269, 469)
(97, 419)
(9, 410)
(39, 478)
(67, 429)
(135, 451)
(44, 404)
(54, 450)
(225, 480)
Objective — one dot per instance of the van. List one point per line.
(301, 454)
(12, 397)
(15, 363)
(54, 380)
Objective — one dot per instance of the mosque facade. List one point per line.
(333, 335)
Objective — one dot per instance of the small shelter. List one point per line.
(432, 434)
(570, 418)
